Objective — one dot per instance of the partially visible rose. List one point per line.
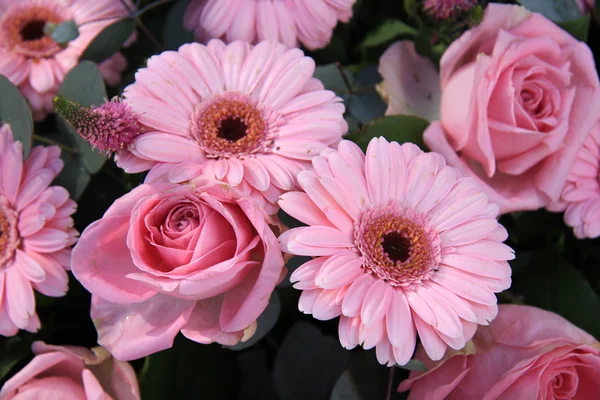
(411, 83)
(525, 353)
(518, 95)
(167, 258)
(72, 373)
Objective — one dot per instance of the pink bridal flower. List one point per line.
(36, 232)
(525, 353)
(34, 62)
(580, 197)
(167, 258)
(72, 373)
(310, 22)
(402, 245)
(251, 116)
(517, 91)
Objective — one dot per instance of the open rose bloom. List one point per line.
(310, 22)
(250, 116)
(403, 245)
(36, 232)
(167, 258)
(516, 94)
(525, 353)
(72, 373)
(34, 62)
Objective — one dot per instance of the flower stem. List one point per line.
(390, 383)
(151, 6)
(54, 143)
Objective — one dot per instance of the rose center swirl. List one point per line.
(398, 245)
(22, 29)
(229, 125)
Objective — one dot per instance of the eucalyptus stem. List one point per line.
(340, 67)
(139, 22)
(54, 143)
(151, 6)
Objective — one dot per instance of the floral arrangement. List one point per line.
(324, 199)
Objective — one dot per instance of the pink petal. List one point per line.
(339, 270)
(464, 285)
(131, 331)
(400, 328)
(379, 170)
(353, 300)
(376, 302)
(434, 346)
(325, 306)
(302, 208)
(101, 261)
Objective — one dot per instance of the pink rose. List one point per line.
(167, 258)
(517, 100)
(525, 353)
(72, 373)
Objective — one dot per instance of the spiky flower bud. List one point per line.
(107, 128)
(442, 10)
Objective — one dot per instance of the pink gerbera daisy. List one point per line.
(34, 62)
(580, 198)
(402, 245)
(310, 22)
(36, 232)
(250, 116)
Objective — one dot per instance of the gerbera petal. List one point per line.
(352, 304)
(339, 270)
(376, 302)
(379, 171)
(302, 208)
(400, 327)
(325, 306)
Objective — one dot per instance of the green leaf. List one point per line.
(84, 85)
(386, 32)
(109, 41)
(399, 128)
(308, 363)
(62, 33)
(412, 7)
(365, 378)
(174, 33)
(74, 176)
(187, 370)
(556, 10)
(579, 28)
(332, 78)
(414, 365)
(266, 321)
(551, 283)
(15, 112)
(14, 349)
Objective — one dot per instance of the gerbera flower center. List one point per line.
(398, 245)
(22, 28)
(229, 125)
(9, 236)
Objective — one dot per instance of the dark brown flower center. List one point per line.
(232, 129)
(397, 245)
(229, 125)
(33, 30)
